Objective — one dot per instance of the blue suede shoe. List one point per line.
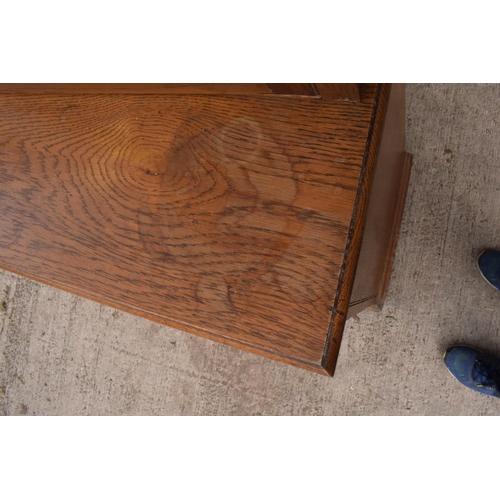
(489, 267)
(475, 369)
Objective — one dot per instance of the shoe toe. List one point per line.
(460, 361)
(489, 267)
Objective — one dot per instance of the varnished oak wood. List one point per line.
(236, 218)
(223, 216)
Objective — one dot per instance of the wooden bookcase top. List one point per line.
(233, 217)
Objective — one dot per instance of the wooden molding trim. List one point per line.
(327, 91)
(348, 272)
(137, 88)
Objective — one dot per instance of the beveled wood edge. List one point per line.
(168, 89)
(348, 270)
(396, 227)
(257, 89)
(173, 323)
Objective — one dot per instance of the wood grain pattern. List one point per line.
(137, 88)
(226, 217)
(340, 91)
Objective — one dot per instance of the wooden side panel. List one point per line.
(388, 188)
(398, 218)
(137, 88)
(226, 217)
(340, 91)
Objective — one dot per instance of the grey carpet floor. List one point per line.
(63, 355)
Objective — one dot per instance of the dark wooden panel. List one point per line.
(303, 89)
(376, 302)
(398, 217)
(227, 217)
(332, 91)
(136, 88)
(340, 91)
(387, 185)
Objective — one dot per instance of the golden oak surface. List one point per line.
(226, 216)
